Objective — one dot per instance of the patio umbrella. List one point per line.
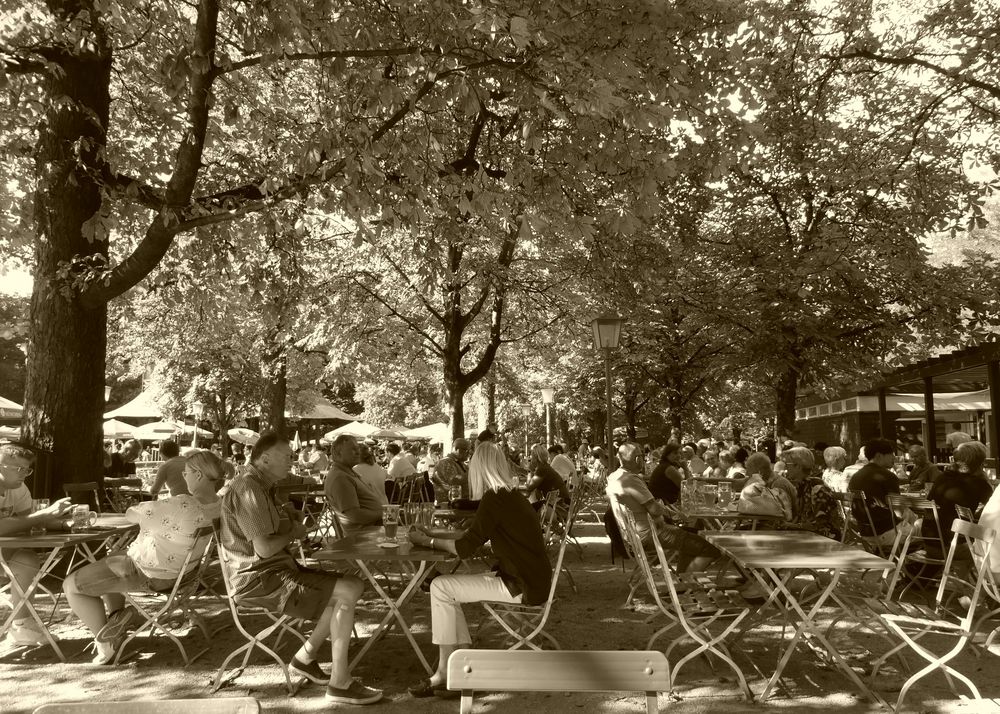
(435, 433)
(10, 432)
(114, 429)
(363, 430)
(296, 442)
(189, 428)
(242, 435)
(156, 431)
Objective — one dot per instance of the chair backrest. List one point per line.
(965, 513)
(618, 509)
(926, 512)
(72, 489)
(979, 540)
(633, 542)
(547, 514)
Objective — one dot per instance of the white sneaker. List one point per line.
(105, 651)
(26, 632)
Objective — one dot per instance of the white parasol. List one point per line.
(242, 435)
(114, 429)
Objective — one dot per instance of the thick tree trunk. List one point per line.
(785, 389)
(275, 396)
(64, 394)
(491, 400)
(456, 408)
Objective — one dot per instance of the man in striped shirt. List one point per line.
(256, 534)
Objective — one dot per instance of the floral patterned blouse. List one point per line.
(166, 533)
(816, 508)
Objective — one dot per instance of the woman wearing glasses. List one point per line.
(152, 561)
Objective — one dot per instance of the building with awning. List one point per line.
(918, 402)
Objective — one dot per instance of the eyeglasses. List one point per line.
(21, 470)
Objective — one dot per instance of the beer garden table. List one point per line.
(775, 558)
(109, 530)
(362, 548)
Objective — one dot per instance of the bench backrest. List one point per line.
(558, 671)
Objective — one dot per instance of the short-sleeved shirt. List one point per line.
(15, 501)
(401, 466)
(346, 491)
(955, 438)
(564, 467)
(631, 491)
(877, 482)
(249, 510)
(374, 477)
(166, 533)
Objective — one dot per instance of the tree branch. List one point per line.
(913, 61)
(326, 54)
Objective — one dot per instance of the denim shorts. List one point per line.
(116, 574)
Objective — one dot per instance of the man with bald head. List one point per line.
(451, 471)
(626, 484)
(924, 471)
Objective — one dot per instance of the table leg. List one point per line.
(419, 575)
(807, 625)
(28, 592)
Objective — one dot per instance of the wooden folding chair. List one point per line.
(526, 622)
(697, 610)
(248, 608)
(176, 601)
(911, 622)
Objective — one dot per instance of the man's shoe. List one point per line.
(26, 633)
(311, 671)
(117, 624)
(356, 693)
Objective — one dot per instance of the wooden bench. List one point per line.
(557, 671)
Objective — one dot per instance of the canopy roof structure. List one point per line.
(439, 433)
(114, 429)
(142, 407)
(362, 430)
(321, 410)
(10, 409)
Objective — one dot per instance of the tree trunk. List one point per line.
(456, 409)
(491, 400)
(275, 395)
(64, 394)
(785, 389)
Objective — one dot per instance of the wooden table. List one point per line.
(727, 519)
(765, 553)
(362, 547)
(110, 529)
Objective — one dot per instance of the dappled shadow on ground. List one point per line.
(592, 619)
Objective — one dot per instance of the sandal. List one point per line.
(424, 689)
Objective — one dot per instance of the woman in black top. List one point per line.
(544, 478)
(665, 481)
(962, 484)
(523, 574)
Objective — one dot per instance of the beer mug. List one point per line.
(390, 520)
(83, 518)
(427, 514)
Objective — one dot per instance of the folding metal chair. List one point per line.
(911, 622)
(526, 622)
(255, 607)
(911, 548)
(636, 578)
(697, 610)
(556, 526)
(175, 601)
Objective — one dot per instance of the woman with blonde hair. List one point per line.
(152, 562)
(522, 575)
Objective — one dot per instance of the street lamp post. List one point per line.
(548, 395)
(526, 412)
(198, 408)
(607, 332)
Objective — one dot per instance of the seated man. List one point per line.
(563, 464)
(356, 504)
(627, 485)
(924, 472)
(544, 478)
(171, 472)
(450, 472)
(876, 480)
(256, 533)
(16, 518)
(400, 465)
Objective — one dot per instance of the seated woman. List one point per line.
(962, 484)
(523, 574)
(665, 481)
(760, 475)
(152, 561)
(835, 458)
(543, 477)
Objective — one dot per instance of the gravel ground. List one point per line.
(593, 618)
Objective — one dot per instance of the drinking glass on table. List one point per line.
(454, 493)
(83, 518)
(709, 493)
(725, 494)
(390, 520)
(39, 504)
